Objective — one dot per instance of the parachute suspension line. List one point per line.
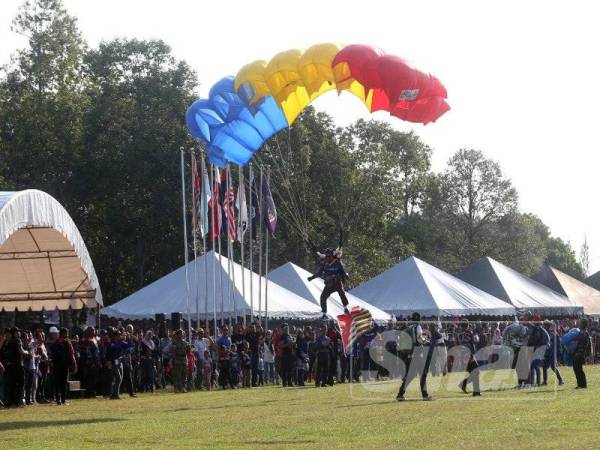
(294, 224)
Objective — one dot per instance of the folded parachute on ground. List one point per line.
(265, 97)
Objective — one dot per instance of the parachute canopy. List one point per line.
(242, 112)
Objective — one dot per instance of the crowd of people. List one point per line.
(36, 367)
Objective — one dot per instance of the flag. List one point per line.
(200, 200)
(353, 325)
(269, 211)
(254, 206)
(204, 201)
(228, 196)
(240, 203)
(215, 206)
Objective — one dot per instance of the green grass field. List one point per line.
(356, 416)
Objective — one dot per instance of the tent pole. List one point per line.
(185, 248)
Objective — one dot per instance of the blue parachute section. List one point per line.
(230, 130)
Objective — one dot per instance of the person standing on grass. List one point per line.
(207, 369)
(179, 358)
(323, 351)
(252, 338)
(246, 362)
(415, 360)
(269, 358)
(578, 342)
(11, 356)
(469, 340)
(288, 357)
(550, 360)
(147, 360)
(62, 358)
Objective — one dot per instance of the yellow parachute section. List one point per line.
(294, 78)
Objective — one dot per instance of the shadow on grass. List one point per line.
(281, 442)
(6, 426)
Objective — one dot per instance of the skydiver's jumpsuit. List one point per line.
(334, 274)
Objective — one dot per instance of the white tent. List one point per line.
(294, 278)
(415, 286)
(44, 263)
(168, 294)
(517, 289)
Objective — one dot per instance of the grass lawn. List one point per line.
(357, 416)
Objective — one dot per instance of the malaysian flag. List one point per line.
(228, 204)
(353, 325)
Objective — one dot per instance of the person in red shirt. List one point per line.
(191, 367)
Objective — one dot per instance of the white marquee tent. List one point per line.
(517, 289)
(294, 278)
(44, 263)
(415, 286)
(168, 295)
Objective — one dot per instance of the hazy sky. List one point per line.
(522, 76)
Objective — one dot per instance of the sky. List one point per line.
(521, 75)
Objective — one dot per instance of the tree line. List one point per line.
(100, 129)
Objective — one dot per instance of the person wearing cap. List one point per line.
(416, 361)
(334, 274)
(62, 358)
(550, 360)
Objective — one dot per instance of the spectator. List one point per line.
(147, 361)
(62, 359)
(269, 358)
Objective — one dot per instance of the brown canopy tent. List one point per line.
(575, 290)
(44, 264)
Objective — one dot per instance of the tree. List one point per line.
(128, 183)
(464, 205)
(42, 102)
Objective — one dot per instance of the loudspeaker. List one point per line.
(175, 321)
(161, 325)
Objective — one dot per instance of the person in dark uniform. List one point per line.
(334, 274)
(62, 358)
(550, 360)
(470, 340)
(582, 349)
(415, 356)
(288, 357)
(11, 355)
(323, 349)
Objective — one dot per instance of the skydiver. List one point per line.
(334, 274)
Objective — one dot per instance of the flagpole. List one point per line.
(194, 165)
(226, 202)
(267, 279)
(260, 248)
(185, 244)
(204, 212)
(241, 232)
(212, 235)
(250, 240)
(221, 264)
